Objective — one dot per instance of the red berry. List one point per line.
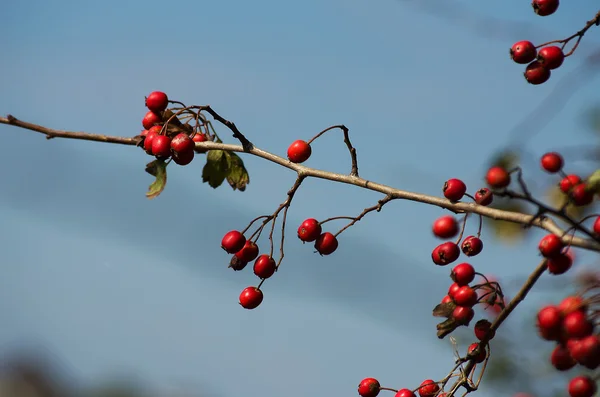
(161, 146)
(571, 304)
(182, 143)
(326, 243)
(299, 151)
(497, 177)
(309, 230)
(183, 158)
(552, 162)
(479, 357)
(569, 182)
(523, 52)
(463, 315)
(446, 299)
(551, 245)
(576, 325)
(549, 322)
(143, 133)
(582, 386)
(452, 289)
(148, 141)
(586, 351)
(157, 101)
(150, 119)
(249, 251)
(199, 137)
(559, 264)
(484, 196)
(472, 246)
(596, 226)
(405, 393)
(428, 388)
(551, 57)
(561, 358)
(251, 297)
(233, 241)
(463, 274)
(580, 195)
(536, 73)
(445, 253)
(465, 296)
(545, 7)
(265, 266)
(482, 329)
(454, 189)
(445, 227)
(369, 387)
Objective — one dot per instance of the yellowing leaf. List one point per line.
(158, 169)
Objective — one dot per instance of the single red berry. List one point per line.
(265, 266)
(582, 386)
(183, 158)
(454, 189)
(446, 299)
(445, 227)
(182, 143)
(552, 162)
(523, 52)
(369, 387)
(550, 245)
(452, 289)
(551, 57)
(545, 7)
(559, 264)
(299, 151)
(463, 315)
(576, 325)
(428, 388)
(233, 241)
(549, 322)
(536, 73)
(596, 226)
(148, 141)
(309, 230)
(581, 196)
(586, 351)
(326, 243)
(561, 358)
(405, 393)
(482, 330)
(569, 182)
(157, 101)
(251, 297)
(497, 177)
(143, 133)
(472, 246)
(571, 304)
(161, 146)
(249, 251)
(151, 119)
(465, 296)
(463, 274)
(479, 357)
(445, 253)
(484, 196)
(199, 137)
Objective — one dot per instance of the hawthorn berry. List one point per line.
(309, 230)
(582, 386)
(465, 296)
(482, 330)
(559, 264)
(551, 57)
(596, 227)
(369, 387)
(143, 133)
(497, 177)
(463, 315)
(571, 304)
(249, 251)
(480, 356)
(445, 253)
(536, 73)
(428, 388)
(549, 322)
(463, 274)
(182, 143)
(576, 325)
(545, 7)
(452, 289)
(523, 52)
(237, 264)
(150, 119)
(326, 243)
(200, 137)
(251, 298)
(161, 146)
(445, 227)
(561, 358)
(484, 196)
(454, 189)
(183, 158)
(265, 266)
(580, 195)
(405, 393)
(472, 246)
(552, 162)
(233, 241)
(157, 101)
(148, 141)
(299, 151)
(446, 299)
(569, 182)
(586, 351)
(550, 245)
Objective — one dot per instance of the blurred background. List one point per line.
(106, 293)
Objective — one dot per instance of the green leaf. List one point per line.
(238, 177)
(216, 168)
(158, 169)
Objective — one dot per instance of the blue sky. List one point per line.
(111, 283)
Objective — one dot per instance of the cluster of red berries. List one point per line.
(539, 62)
(310, 230)
(571, 324)
(159, 141)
